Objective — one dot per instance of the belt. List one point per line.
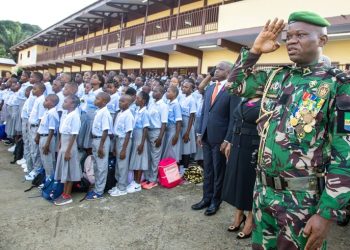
(44, 135)
(245, 131)
(307, 183)
(96, 137)
(34, 125)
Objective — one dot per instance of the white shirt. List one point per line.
(102, 122)
(158, 114)
(61, 99)
(70, 123)
(22, 91)
(49, 121)
(141, 118)
(188, 105)
(38, 110)
(124, 123)
(48, 88)
(13, 99)
(25, 110)
(113, 105)
(81, 90)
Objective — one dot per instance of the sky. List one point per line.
(43, 13)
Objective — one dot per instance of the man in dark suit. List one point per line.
(214, 135)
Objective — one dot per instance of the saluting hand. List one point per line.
(316, 229)
(266, 41)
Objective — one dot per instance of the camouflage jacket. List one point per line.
(308, 126)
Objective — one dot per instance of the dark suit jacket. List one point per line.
(215, 119)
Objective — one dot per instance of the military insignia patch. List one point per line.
(347, 121)
(323, 90)
(312, 84)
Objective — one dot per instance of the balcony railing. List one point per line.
(195, 22)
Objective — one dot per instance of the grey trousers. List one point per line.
(100, 165)
(122, 166)
(49, 160)
(34, 149)
(26, 143)
(155, 155)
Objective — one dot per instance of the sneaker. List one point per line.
(12, 149)
(25, 170)
(93, 196)
(144, 183)
(133, 187)
(21, 161)
(150, 185)
(24, 165)
(118, 192)
(41, 186)
(63, 200)
(111, 190)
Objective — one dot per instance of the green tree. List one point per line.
(11, 34)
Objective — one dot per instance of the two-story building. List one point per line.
(168, 35)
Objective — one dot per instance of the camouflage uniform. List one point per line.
(304, 125)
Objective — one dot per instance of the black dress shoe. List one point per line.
(200, 205)
(212, 209)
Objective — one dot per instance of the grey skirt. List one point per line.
(49, 160)
(139, 161)
(189, 147)
(171, 151)
(85, 136)
(68, 170)
(11, 120)
(18, 127)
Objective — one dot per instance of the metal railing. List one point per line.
(194, 22)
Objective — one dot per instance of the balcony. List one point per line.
(190, 23)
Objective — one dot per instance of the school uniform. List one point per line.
(81, 90)
(1, 99)
(35, 116)
(68, 170)
(12, 109)
(102, 122)
(158, 114)
(174, 116)
(21, 99)
(124, 123)
(188, 107)
(133, 108)
(48, 89)
(26, 131)
(49, 121)
(60, 102)
(85, 138)
(4, 113)
(139, 161)
(113, 105)
(199, 153)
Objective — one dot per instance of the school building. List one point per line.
(168, 35)
(6, 65)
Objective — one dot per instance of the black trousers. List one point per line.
(214, 171)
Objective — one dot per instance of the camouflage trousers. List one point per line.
(280, 218)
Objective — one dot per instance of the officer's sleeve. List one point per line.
(336, 195)
(245, 83)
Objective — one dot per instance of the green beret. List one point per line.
(308, 17)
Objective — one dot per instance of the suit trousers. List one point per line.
(214, 171)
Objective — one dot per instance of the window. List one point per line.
(28, 54)
(20, 56)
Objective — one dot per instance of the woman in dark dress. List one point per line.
(240, 171)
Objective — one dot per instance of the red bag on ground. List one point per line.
(168, 173)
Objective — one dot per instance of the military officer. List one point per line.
(305, 133)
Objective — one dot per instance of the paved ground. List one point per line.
(155, 219)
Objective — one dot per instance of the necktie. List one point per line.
(215, 92)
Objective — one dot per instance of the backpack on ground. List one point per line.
(52, 189)
(38, 179)
(2, 132)
(81, 186)
(168, 173)
(111, 181)
(88, 171)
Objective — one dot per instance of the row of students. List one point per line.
(144, 131)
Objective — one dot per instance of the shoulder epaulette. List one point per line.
(340, 75)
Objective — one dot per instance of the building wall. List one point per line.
(5, 68)
(130, 64)
(182, 60)
(34, 51)
(113, 66)
(152, 63)
(211, 58)
(234, 16)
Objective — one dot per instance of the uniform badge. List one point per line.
(306, 71)
(347, 121)
(323, 90)
(312, 84)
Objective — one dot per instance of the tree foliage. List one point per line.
(12, 33)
